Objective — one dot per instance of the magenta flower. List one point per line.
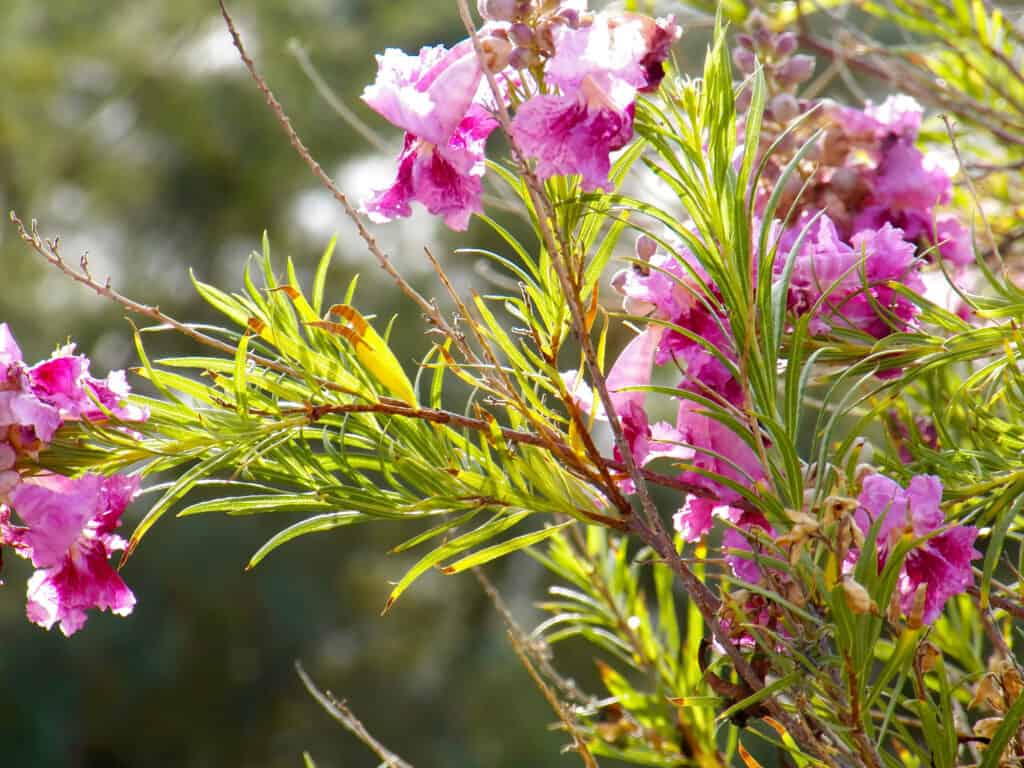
(445, 179)
(436, 98)
(426, 95)
(598, 69)
(659, 34)
(69, 537)
(942, 562)
(717, 450)
(696, 517)
(664, 289)
(570, 135)
(851, 281)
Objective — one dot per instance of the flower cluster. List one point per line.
(571, 77)
(68, 522)
(866, 172)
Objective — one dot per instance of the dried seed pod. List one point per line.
(989, 692)
(926, 657)
(987, 728)
(916, 618)
(857, 598)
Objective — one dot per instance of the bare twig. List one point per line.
(524, 650)
(350, 211)
(340, 712)
(539, 650)
(334, 101)
(50, 250)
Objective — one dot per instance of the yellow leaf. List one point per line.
(371, 350)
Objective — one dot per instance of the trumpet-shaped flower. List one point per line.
(849, 285)
(444, 178)
(941, 561)
(598, 68)
(571, 134)
(427, 95)
(69, 537)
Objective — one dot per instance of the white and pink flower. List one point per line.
(69, 537)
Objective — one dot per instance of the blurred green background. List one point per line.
(130, 129)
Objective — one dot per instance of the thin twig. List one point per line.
(539, 650)
(350, 211)
(334, 101)
(340, 712)
(50, 250)
(521, 645)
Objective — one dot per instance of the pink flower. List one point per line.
(608, 53)
(443, 178)
(942, 562)
(852, 280)
(426, 95)
(905, 180)
(659, 35)
(696, 517)
(69, 539)
(10, 356)
(717, 451)
(898, 116)
(665, 289)
(570, 135)
(598, 69)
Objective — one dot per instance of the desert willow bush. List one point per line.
(785, 513)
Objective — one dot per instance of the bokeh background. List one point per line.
(130, 129)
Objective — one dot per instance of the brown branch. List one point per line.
(340, 712)
(350, 211)
(524, 650)
(50, 250)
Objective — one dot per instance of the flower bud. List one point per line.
(500, 10)
(568, 16)
(618, 281)
(756, 21)
(745, 41)
(521, 34)
(496, 53)
(795, 71)
(646, 247)
(784, 107)
(523, 58)
(763, 38)
(744, 60)
(785, 44)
